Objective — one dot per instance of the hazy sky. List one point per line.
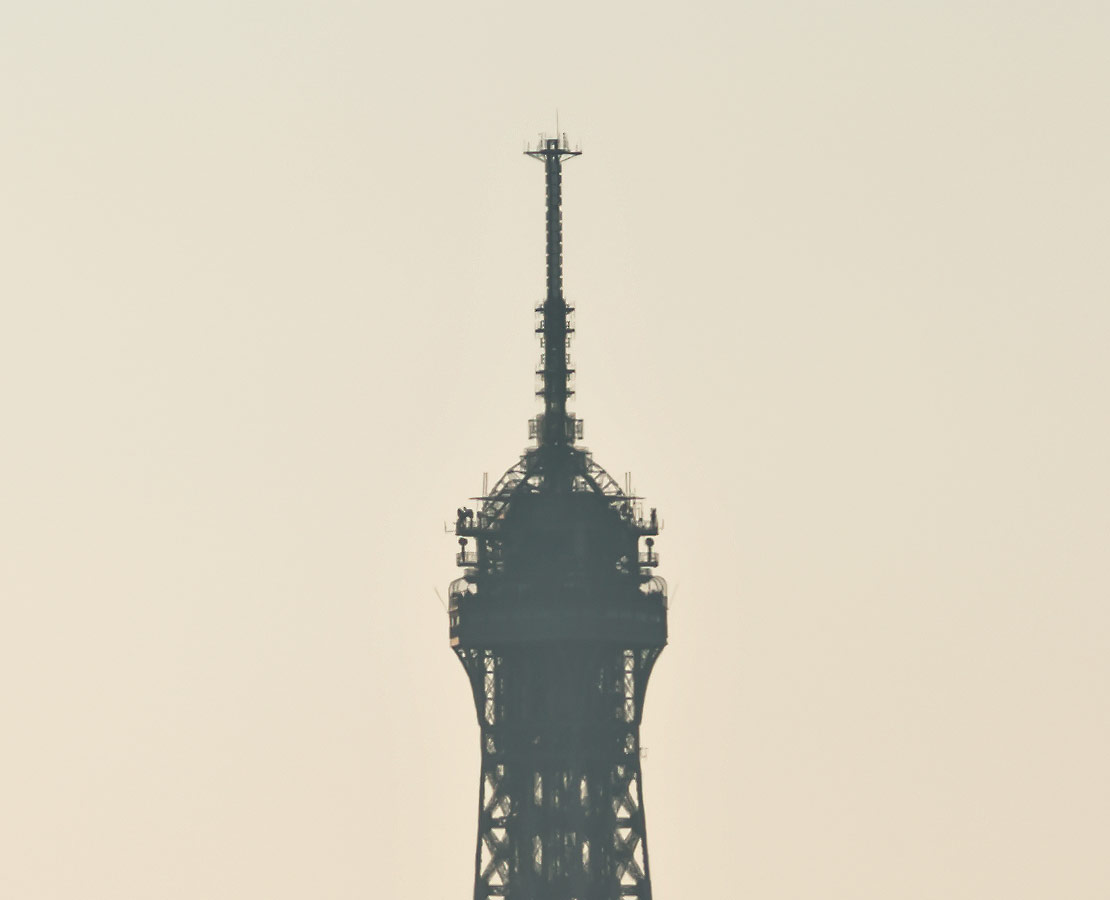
(843, 306)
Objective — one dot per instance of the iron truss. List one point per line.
(560, 813)
(558, 638)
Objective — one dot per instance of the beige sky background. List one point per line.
(842, 283)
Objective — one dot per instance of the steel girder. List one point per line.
(560, 812)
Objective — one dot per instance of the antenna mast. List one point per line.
(556, 429)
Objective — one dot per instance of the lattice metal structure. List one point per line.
(558, 620)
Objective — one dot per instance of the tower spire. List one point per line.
(555, 428)
(558, 618)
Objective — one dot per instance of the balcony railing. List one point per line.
(575, 427)
(466, 558)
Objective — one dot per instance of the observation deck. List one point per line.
(571, 560)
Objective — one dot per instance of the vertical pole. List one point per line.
(554, 307)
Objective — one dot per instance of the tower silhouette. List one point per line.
(558, 621)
